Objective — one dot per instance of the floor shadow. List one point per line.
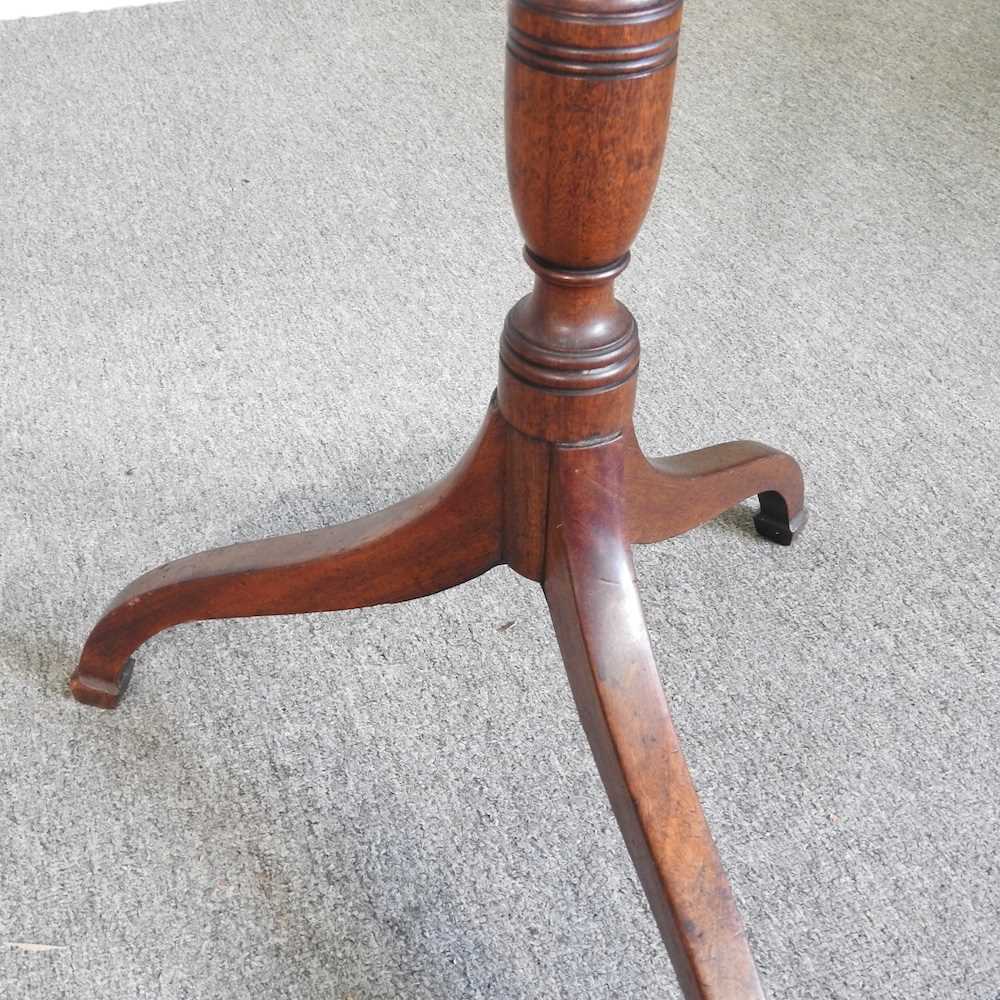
(45, 661)
(736, 520)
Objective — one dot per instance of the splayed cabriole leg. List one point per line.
(555, 486)
(444, 536)
(668, 496)
(591, 590)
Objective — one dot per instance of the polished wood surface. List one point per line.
(668, 496)
(556, 485)
(591, 590)
(444, 536)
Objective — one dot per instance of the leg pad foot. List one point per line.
(780, 529)
(96, 691)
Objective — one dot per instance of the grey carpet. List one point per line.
(254, 260)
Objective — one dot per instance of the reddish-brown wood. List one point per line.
(591, 590)
(444, 536)
(555, 486)
(668, 496)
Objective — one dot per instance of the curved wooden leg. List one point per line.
(590, 587)
(668, 496)
(437, 539)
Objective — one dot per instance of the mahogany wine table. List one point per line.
(555, 486)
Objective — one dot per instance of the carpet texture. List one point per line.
(254, 260)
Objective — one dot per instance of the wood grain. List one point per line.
(668, 496)
(446, 535)
(591, 590)
(555, 486)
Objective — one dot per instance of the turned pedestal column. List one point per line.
(555, 485)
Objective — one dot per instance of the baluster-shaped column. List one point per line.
(589, 85)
